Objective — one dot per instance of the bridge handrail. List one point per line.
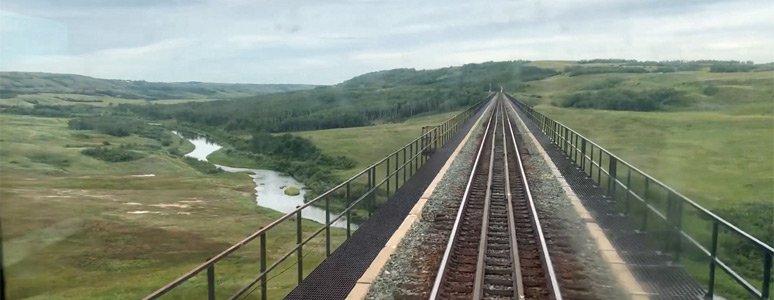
(428, 140)
(568, 141)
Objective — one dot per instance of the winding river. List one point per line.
(269, 185)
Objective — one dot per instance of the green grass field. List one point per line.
(73, 227)
(367, 145)
(719, 150)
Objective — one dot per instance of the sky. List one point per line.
(326, 42)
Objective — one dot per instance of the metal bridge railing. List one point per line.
(677, 218)
(362, 195)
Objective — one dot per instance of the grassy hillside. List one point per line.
(386, 95)
(718, 148)
(369, 144)
(28, 88)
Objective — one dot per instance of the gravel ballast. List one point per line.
(413, 265)
(402, 270)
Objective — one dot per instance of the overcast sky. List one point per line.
(326, 42)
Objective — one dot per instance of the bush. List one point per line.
(664, 70)
(292, 191)
(104, 124)
(202, 166)
(710, 90)
(120, 126)
(112, 154)
(731, 67)
(604, 84)
(578, 70)
(616, 99)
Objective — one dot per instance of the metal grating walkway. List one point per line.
(337, 275)
(656, 273)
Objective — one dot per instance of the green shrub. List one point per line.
(292, 191)
(110, 154)
(202, 166)
(604, 84)
(618, 99)
(579, 70)
(731, 67)
(710, 90)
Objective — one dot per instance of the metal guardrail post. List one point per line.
(263, 266)
(583, 155)
(387, 175)
(628, 189)
(415, 158)
(211, 282)
(646, 200)
(677, 233)
(599, 169)
(370, 204)
(591, 164)
(327, 226)
(611, 176)
(435, 139)
(396, 172)
(349, 219)
(404, 165)
(669, 220)
(766, 275)
(300, 251)
(411, 160)
(713, 253)
(573, 147)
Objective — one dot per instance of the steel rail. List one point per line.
(478, 284)
(518, 283)
(455, 229)
(547, 263)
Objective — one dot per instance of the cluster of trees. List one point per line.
(298, 157)
(581, 70)
(622, 99)
(669, 66)
(604, 84)
(112, 154)
(120, 126)
(53, 111)
(731, 68)
(390, 95)
(104, 124)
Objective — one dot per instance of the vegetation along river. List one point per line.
(269, 185)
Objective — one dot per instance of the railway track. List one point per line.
(496, 248)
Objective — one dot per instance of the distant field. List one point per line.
(72, 227)
(715, 158)
(368, 144)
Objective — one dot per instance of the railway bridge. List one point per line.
(499, 202)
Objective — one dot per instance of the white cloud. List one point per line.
(327, 42)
